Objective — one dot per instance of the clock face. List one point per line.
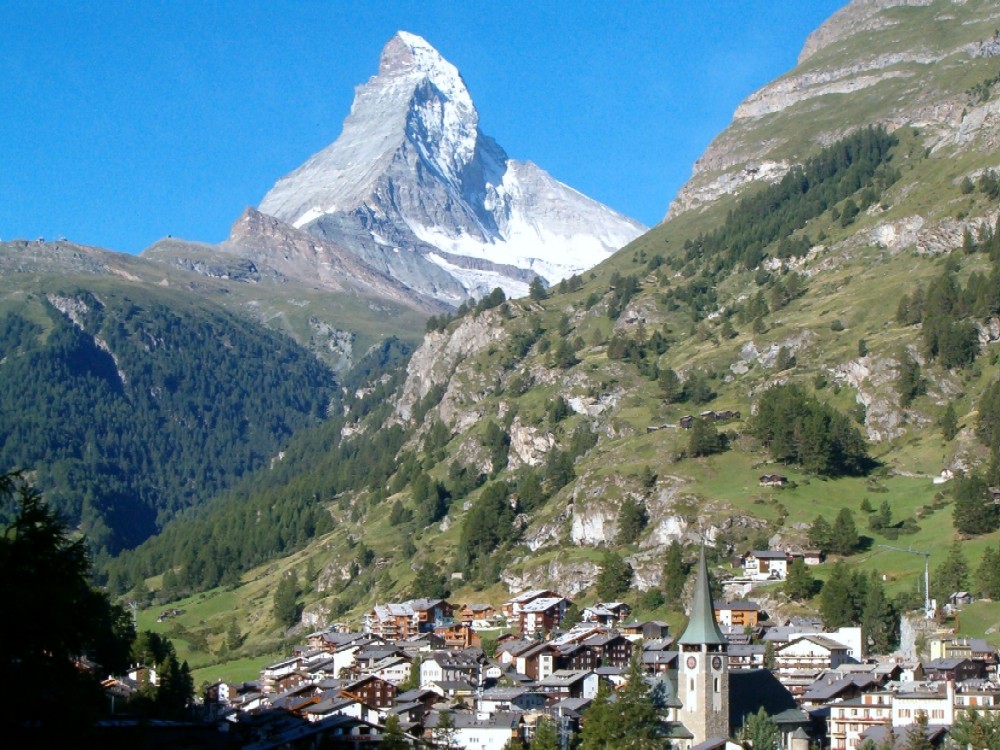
(692, 662)
(716, 662)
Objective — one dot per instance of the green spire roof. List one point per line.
(702, 627)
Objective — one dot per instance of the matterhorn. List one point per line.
(419, 192)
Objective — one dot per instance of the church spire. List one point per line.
(702, 627)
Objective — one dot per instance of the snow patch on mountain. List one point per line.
(481, 282)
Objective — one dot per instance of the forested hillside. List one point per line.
(130, 404)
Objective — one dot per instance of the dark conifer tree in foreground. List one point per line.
(628, 720)
(54, 621)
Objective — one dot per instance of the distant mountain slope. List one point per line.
(894, 62)
(416, 189)
(261, 248)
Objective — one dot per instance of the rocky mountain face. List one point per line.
(260, 247)
(419, 192)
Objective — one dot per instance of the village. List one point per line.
(441, 674)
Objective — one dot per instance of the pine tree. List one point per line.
(916, 736)
(799, 583)
(444, 732)
(599, 724)
(537, 290)
(641, 723)
(412, 681)
(882, 519)
(909, 383)
(631, 722)
(233, 638)
(704, 439)
(976, 730)
(675, 572)
(572, 616)
(286, 605)
(820, 534)
(770, 660)
(952, 574)
(615, 578)
(430, 582)
(879, 620)
(836, 605)
(949, 423)
(974, 512)
(632, 519)
(546, 736)
(670, 385)
(988, 573)
(392, 736)
(52, 617)
(759, 732)
(844, 534)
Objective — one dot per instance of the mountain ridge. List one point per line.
(837, 64)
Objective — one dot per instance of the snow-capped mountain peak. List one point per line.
(415, 188)
(409, 54)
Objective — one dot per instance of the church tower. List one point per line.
(702, 669)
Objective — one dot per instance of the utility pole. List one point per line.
(928, 612)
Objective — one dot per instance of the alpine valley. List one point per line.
(338, 390)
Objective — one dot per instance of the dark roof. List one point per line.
(712, 743)
(753, 689)
(900, 735)
(829, 687)
(458, 686)
(950, 663)
(659, 657)
(467, 720)
(573, 707)
(658, 644)
(702, 627)
(415, 695)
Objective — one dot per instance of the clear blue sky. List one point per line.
(122, 122)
